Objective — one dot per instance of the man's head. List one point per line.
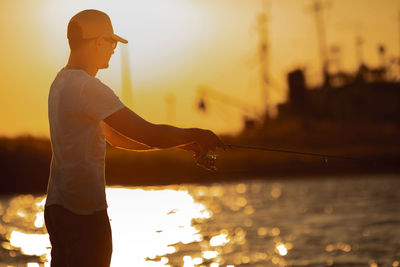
(90, 34)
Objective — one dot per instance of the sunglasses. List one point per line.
(112, 41)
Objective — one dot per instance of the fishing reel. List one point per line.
(207, 161)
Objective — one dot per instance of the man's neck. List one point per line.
(75, 62)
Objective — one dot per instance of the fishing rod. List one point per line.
(208, 161)
(263, 148)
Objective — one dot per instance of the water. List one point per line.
(353, 221)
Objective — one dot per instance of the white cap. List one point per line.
(92, 23)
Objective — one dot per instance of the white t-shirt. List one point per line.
(77, 104)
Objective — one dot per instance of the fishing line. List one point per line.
(262, 148)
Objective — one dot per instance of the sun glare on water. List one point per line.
(146, 226)
(155, 219)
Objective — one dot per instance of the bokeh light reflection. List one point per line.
(219, 240)
(209, 254)
(30, 244)
(148, 223)
(282, 249)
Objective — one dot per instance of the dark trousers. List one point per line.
(78, 240)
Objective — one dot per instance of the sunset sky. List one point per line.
(177, 45)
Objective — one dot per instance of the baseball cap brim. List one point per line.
(119, 39)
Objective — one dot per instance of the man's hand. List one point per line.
(206, 140)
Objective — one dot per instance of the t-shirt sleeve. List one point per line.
(99, 101)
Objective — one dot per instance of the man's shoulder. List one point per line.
(76, 75)
(83, 82)
(71, 78)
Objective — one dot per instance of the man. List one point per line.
(83, 113)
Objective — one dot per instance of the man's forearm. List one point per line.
(118, 140)
(129, 144)
(170, 136)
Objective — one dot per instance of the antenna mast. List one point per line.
(317, 8)
(170, 101)
(398, 59)
(263, 53)
(127, 96)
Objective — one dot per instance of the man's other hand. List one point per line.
(206, 140)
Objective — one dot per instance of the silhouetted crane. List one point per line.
(248, 111)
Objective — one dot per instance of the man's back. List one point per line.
(77, 105)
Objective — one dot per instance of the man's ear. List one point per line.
(99, 42)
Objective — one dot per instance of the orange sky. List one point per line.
(177, 45)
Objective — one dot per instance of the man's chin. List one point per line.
(104, 66)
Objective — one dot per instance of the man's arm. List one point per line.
(118, 140)
(136, 128)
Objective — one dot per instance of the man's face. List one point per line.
(104, 50)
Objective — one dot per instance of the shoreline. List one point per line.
(25, 160)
